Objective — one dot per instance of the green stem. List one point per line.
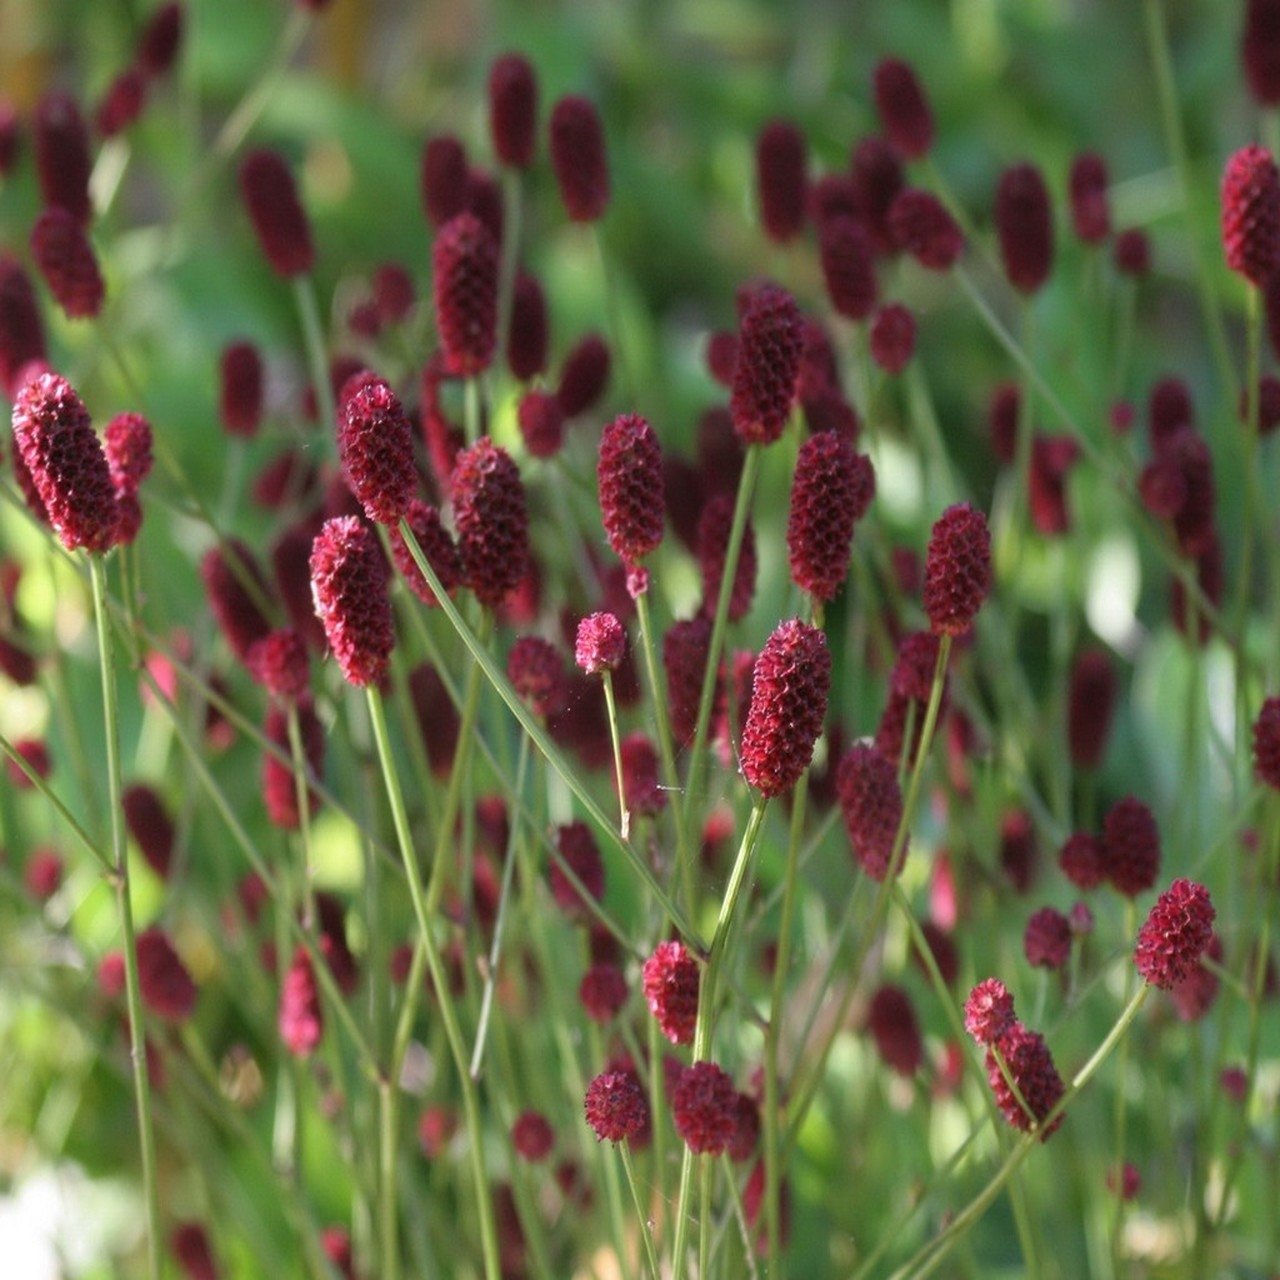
(304, 817)
(387, 1219)
(706, 1167)
(304, 293)
(624, 823)
(448, 1016)
(641, 1215)
(133, 992)
(1253, 329)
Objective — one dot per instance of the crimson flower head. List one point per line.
(904, 110)
(871, 805)
(492, 521)
(584, 375)
(1031, 1067)
(957, 569)
(435, 543)
(616, 1107)
(602, 992)
(875, 170)
(234, 587)
(1090, 702)
(578, 158)
(279, 663)
(278, 218)
(349, 587)
(577, 847)
(891, 1019)
(893, 337)
(1083, 860)
(1132, 252)
(1087, 189)
(1024, 225)
(527, 331)
(831, 491)
(704, 1105)
(671, 982)
(537, 674)
(629, 474)
(240, 394)
(301, 1015)
(160, 40)
(465, 266)
(601, 643)
(150, 826)
(541, 422)
(532, 1136)
(1260, 50)
(167, 988)
(640, 775)
(715, 525)
(781, 182)
(192, 1251)
(513, 109)
(685, 649)
(122, 103)
(1251, 214)
(770, 343)
(67, 262)
(848, 268)
(988, 1012)
(788, 707)
(920, 225)
(1046, 941)
(66, 463)
(444, 179)
(127, 445)
(63, 160)
(1266, 743)
(1131, 842)
(375, 443)
(1175, 934)
(21, 333)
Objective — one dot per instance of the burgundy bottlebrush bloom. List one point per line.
(578, 849)
(279, 220)
(21, 333)
(770, 341)
(1090, 703)
(393, 293)
(167, 988)
(1046, 941)
(584, 375)
(704, 1106)
(1170, 410)
(349, 585)
(160, 40)
(600, 644)
(1083, 860)
(291, 567)
(375, 443)
(1052, 457)
(63, 161)
(847, 267)
(532, 1136)
(629, 475)
(893, 338)
(832, 488)
(1251, 214)
(492, 521)
(443, 179)
(42, 876)
(644, 794)
(1018, 850)
(127, 444)
(240, 390)
(437, 717)
(722, 356)
(527, 335)
(578, 158)
(150, 826)
(788, 707)
(903, 108)
(921, 226)
(122, 103)
(226, 572)
(988, 1012)
(1003, 410)
(1260, 50)
(541, 422)
(278, 662)
(831, 197)
(484, 201)
(714, 527)
(914, 665)
(537, 674)
(871, 805)
(1031, 1067)
(1194, 996)
(602, 992)
(685, 649)
(191, 1250)
(67, 263)
(671, 980)
(1131, 843)
(436, 544)
(1132, 252)
(957, 572)
(782, 159)
(279, 785)
(1024, 226)
(616, 1107)
(1087, 191)
(464, 261)
(1175, 934)
(1266, 743)
(876, 173)
(301, 1016)
(513, 109)
(66, 463)
(891, 1019)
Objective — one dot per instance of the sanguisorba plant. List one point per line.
(540, 804)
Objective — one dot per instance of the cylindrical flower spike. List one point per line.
(527, 332)
(1266, 743)
(160, 40)
(788, 707)
(150, 826)
(1024, 225)
(541, 422)
(375, 443)
(715, 524)
(1131, 842)
(236, 607)
(443, 179)
(770, 340)
(781, 179)
(1087, 189)
(921, 226)
(584, 375)
(66, 463)
(278, 218)
(465, 264)
(847, 266)
(1175, 934)
(301, 1015)
(957, 571)
(67, 263)
(1031, 1067)
(537, 673)
(1260, 50)
(671, 979)
(629, 473)
(240, 394)
(437, 545)
(893, 338)
(601, 643)
(578, 158)
(1090, 703)
(349, 586)
(63, 161)
(871, 805)
(831, 491)
(988, 1012)
(903, 108)
(513, 109)
(876, 173)
(1251, 214)
(490, 516)
(21, 333)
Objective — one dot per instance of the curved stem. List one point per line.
(645, 1233)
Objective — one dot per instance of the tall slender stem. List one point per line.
(611, 706)
(120, 876)
(304, 292)
(645, 1233)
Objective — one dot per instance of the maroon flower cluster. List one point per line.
(601, 643)
(831, 491)
(167, 988)
(301, 1016)
(1131, 844)
(616, 1107)
(1175, 934)
(871, 805)
(1031, 1067)
(464, 261)
(848, 267)
(704, 1108)
(781, 179)
(891, 1019)
(349, 584)
(577, 847)
(375, 444)
(150, 826)
(629, 474)
(67, 262)
(1024, 226)
(240, 391)
(957, 571)
(903, 108)
(1266, 743)
(436, 544)
(1251, 214)
(919, 224)
(278, 217)
(988, 1012)
(492, 522)
(671, 983)
(513, 109)
(715, 525)
(235, 588)
(770, 339)
(1090, 703)
(537, 673)
(578, 158)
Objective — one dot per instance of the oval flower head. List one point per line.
(349, 585)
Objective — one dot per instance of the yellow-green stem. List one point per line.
(624, 820)
(642, 1215)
